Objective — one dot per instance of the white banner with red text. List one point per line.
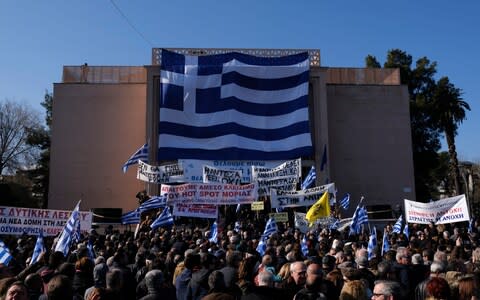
(207, 211)
(19, 220)
(210, 193)
(448, 210)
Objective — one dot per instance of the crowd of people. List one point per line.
(180, 262)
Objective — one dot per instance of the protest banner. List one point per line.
(160, 174)
(19, 220)
(303, 225)
(283, 177)
(216, 175)
(210, 193)
(193, 168)
(448, 210)
(257, 205)
(308, 197)
(208, 211)
(279, 217)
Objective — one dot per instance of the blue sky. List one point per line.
(37, 38)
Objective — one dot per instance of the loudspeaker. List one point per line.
(106, 215)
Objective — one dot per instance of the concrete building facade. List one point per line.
(102, 114)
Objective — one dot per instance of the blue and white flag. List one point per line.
(90, 250)
(140, 154)
(304, 246)
(270, 228)
(66, 237)
(131, 217)
(372, 244)
(77, 233)
(154, 202)
(262, 246)
(470, 225)
(334, 225)
(234, 106)
(385, 243)
(397, 227)
(406, 232)
(237, 226)
(360, 217)
(237, 210)
(345, 202)
(39, 248)
(213, 233)
(310, 179)
(164, 220)
(5, 256)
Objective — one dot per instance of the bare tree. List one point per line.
(17, 121)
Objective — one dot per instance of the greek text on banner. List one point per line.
(159, 174)
(448, 210)
(210, 193)
(306, 197)
(17, 220)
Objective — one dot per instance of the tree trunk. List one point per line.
(455, 171)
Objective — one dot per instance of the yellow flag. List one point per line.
(320, 209)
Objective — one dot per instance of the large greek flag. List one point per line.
(234, 106)
(131, 217)
(154, 202)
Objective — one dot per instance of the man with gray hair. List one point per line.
(402, 267)
(387, 289)
(313, 284)
(154, 281)
(437, 269)
(265, 289)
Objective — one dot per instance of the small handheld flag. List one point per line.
(66, 237)
(385, 243)
(164, 220)
(140, 154)
(270, 228)
(397, 227)
(304, 245)
(214, 233)
(5, 256)
(406, 232)
(310, 179)
(372, 243)
(39, 248)
(345, 202)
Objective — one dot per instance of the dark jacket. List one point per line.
(266, 293)
(181, 284)
(81, 282)
(198, 286)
